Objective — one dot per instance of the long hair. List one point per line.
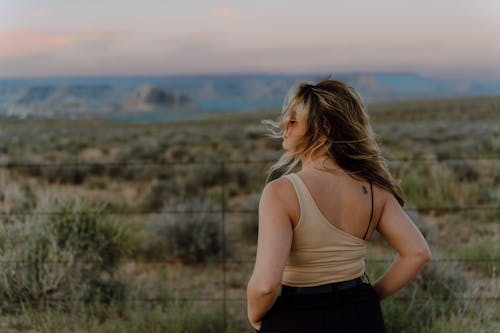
(337, 123)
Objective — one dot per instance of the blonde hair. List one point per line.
(336, 122)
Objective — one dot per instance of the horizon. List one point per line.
(250, 74)
(457, 40)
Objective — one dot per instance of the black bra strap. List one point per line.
(371, 212)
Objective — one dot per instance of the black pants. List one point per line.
(347, 311)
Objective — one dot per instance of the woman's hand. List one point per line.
(257, 325)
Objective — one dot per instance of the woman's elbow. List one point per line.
(263, 288)
(268, 290)
(418, 256)
(423, 255)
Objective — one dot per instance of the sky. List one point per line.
(457, 39)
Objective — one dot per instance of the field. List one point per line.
(151, 227)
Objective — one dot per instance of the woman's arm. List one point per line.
(273, 247)
(398, 229)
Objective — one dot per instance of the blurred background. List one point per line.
(132, 153)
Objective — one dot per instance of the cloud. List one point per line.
(22, 43)
(26, 43)
(193, 38)
(223, 13)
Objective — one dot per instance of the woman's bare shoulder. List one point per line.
(382, 198)
(281, 196)
(280, 187)
(386, 203)
(381, 193)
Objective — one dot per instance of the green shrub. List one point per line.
(66, 173)
(62, 257)
(496, 180)
(185, 317)
(250, 221)
(96, 183)
(435, 295)
(250, 228)
(429, 185)
(171, 317)
(205, 176)
(482, 256)
(90, 233)
(105, 292)
(464, 171)
(193, 234)
(161, 191)
(194, 239)
(187, 184)
(27, 202)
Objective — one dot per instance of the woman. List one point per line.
(314, 225)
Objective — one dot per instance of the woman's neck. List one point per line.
(322, 163)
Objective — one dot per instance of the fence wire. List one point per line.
(224, 210)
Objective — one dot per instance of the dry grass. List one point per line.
(445, 136)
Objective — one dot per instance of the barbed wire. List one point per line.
(227, 211)
(401, 298)
(241, 261)
(75, 164)
(187, 300)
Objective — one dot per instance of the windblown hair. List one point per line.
(338, 124)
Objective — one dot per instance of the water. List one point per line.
(192, 97)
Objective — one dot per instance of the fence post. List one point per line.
(223, 221)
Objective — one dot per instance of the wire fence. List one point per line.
(223, 210)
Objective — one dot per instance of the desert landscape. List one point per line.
(110, 226)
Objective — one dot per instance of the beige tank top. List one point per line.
(321, 253)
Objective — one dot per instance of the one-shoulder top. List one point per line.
(321, 253)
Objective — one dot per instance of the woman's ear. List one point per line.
(324, 140)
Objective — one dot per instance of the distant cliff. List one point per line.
(48, 100)
(152, 99)
(81, 100)
(189, 95)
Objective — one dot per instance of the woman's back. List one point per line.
(345, 202)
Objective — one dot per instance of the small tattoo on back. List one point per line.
(365, 191)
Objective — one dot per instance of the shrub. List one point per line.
(464, 171)
(193, 234)
(185, 317)
(424, 184)
(96, 183)
(105, 292)
(66, 174)
(28, 200)
(159, 192)
(172, 317)
(250, 222)
(250, 229)
(90, 234)
(496, 180)
(194, 239)
(62, 257)
(435, 295)
(482, 256)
